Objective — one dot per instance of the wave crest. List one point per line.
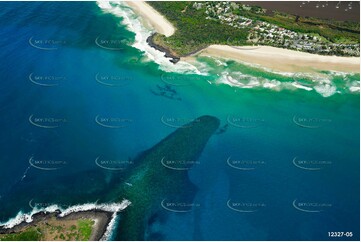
(324, 84)
(134, 24)
(107, 207)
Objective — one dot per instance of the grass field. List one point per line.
(79, 230)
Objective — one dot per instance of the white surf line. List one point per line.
(133, 23)
(27, 217)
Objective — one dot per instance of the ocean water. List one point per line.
(82, 95)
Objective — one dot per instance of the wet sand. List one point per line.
(279, 59)
(270, 57)
(152, 17)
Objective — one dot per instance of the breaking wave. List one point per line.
(108, 207)
(134, 24)
(326, 84)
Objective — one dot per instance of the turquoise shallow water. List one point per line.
(284, 166)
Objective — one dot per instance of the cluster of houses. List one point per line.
(263, 33)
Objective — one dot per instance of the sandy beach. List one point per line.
(281, 59)
(277, 59)
(152, 17)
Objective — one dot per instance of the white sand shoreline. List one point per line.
(153, 18)
(281, 59)
(277, 59)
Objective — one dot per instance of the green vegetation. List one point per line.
(334, 31)
(199, 25)
(85, 228)
(194, 31)
(27, 235)
(49, 230)
(62, 237)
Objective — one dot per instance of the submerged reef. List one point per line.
(161, 173)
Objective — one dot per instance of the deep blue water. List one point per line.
(249, 184)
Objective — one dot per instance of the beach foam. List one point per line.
(320, 84)
(297, 85)
(108, 234)
(134, 24)
(281, 59)
(325, 90)
(324, 83)
(108, 207)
